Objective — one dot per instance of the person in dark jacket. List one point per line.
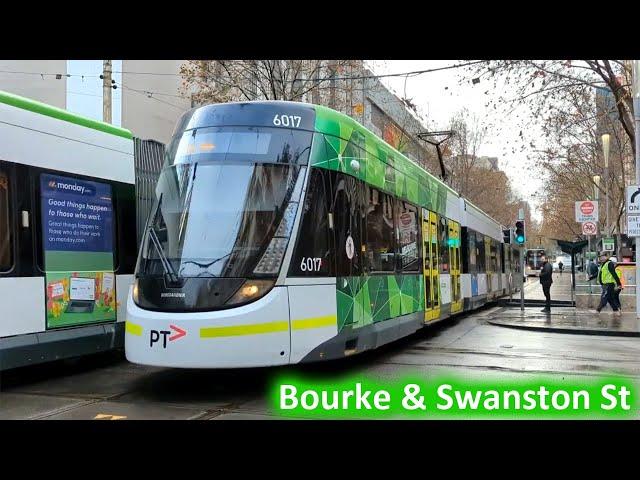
(560, 266)
(610, 281)
(546, 274)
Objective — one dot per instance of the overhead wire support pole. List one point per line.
(636, 116)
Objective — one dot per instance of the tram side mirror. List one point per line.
(25, 219)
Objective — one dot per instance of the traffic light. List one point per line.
(506, 235)
(520, 233)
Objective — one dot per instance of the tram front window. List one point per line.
(215, 224)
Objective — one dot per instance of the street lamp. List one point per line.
(605, 149)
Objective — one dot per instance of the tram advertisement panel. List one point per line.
(77, 238)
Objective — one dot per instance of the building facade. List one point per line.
(147, 98)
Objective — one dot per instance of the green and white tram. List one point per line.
(67, 233)
(287, 232)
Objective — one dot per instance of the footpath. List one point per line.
(563, 318)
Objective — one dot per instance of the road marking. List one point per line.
(105, 416)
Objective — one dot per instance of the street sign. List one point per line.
(587, 211)
(589, 228)
(608, 244)
(633, 200)
(633, 225)
(633, 211)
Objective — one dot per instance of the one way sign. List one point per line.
(633, 200)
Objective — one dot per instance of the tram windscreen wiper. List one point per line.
(166, 264)
(205, 266)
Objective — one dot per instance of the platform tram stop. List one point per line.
(588, 292)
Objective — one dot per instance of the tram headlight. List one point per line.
(135, 291)
(251, 290)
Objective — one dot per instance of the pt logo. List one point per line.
(154, 335)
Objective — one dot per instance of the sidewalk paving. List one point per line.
(568, 320)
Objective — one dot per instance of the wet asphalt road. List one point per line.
(108, 387)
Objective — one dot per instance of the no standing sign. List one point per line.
(586, 211)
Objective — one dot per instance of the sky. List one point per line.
(439, 95)
(84, 95)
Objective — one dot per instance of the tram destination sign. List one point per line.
(586, 211)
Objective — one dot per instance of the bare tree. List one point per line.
(544, 84)
(575, 156)
(463, 149)
(293, 80)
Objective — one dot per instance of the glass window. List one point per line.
(5, 231)
(480, 253)
(240, 144)
(312, 255)
(215, 220)
(469, 251)
(380, 251)
(348, 213)
(408, 237)
(443, 240)
(494, 255)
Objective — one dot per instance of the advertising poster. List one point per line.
(77, 226)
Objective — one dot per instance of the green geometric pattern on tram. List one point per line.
(362, 301)
(383, 167)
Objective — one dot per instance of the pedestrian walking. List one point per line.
(560, 266)
(608, 278)
(592, 272)
(546, 279)
(618, 290)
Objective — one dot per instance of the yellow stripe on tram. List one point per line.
(317, 322)
(254, 329)
(270, 327)
(133, 329)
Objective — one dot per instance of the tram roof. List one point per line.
(61, 114)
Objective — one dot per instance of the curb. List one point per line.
(575, 331)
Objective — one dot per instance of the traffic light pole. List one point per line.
(522, 278)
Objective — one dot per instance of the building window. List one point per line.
(380, 245)
(85, 92)
(6, 260)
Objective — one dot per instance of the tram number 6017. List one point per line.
(287, 120)
(310, 264)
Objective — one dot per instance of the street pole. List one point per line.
(606, 186)
(106, 91)
(523, 216)
(522, 277)
(636, 115)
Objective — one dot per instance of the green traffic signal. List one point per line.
(520, 235)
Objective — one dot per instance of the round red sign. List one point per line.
(587, 208)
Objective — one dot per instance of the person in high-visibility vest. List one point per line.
(608, 278)
(617, 291)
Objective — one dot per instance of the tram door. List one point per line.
(454, 256)
(430, 265)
